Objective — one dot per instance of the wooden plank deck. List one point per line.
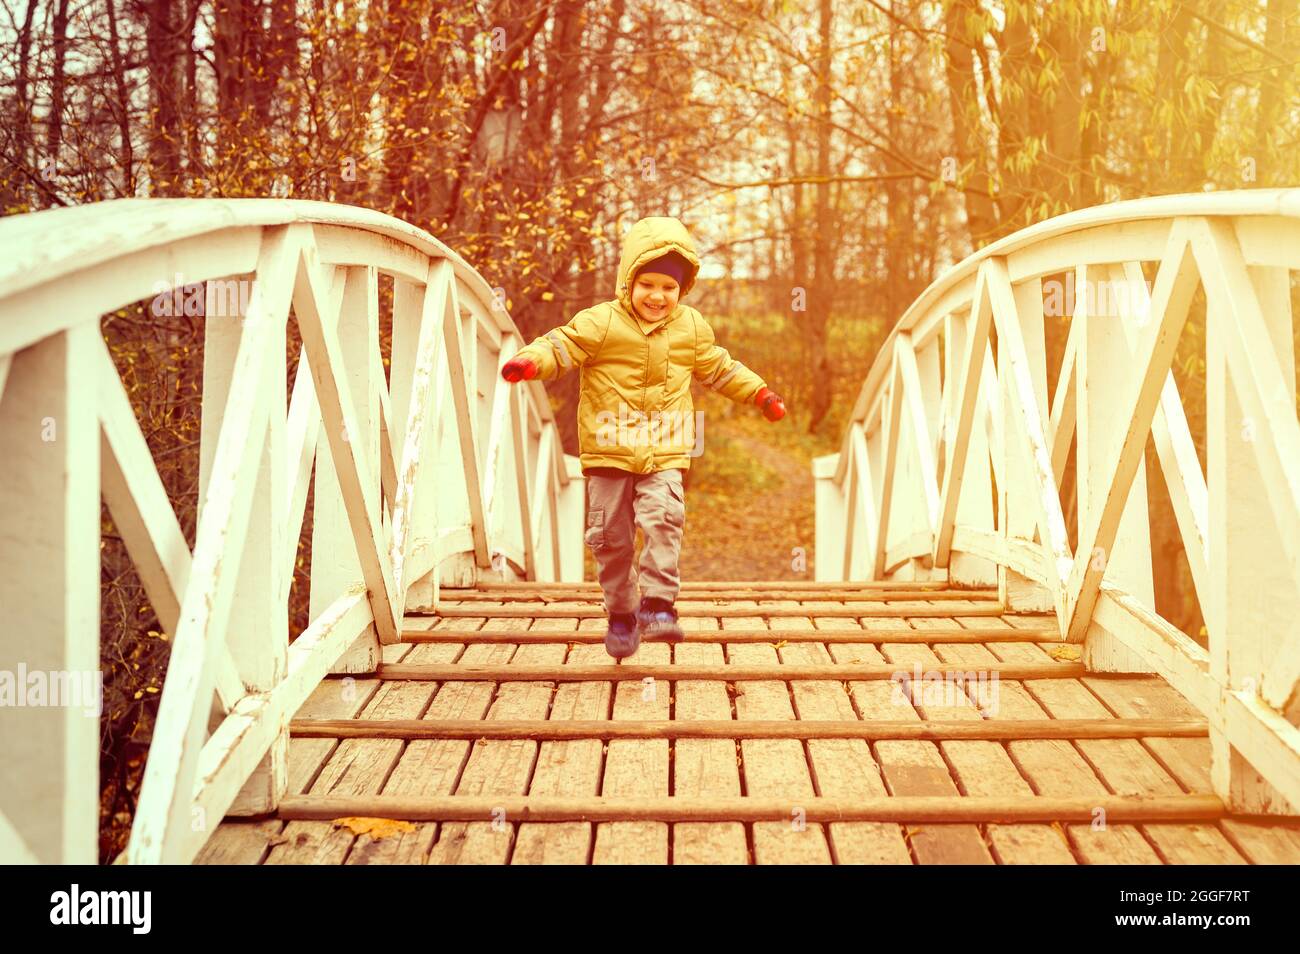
(1001, 765)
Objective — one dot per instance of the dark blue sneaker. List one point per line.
(657, 619)
(622, 637)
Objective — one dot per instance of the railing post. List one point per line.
(1254, 593)
(334, 563)
(915, 497)
(975, 494)
(572, 513)
(1104, 356)
(409, 305)
(1016, 518)
(49, 595)
(829, 508)
(258, 634)
(450, 451)
(928, 359)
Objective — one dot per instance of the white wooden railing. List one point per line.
(443, 475)
(955, 409)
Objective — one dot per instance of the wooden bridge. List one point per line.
(967, 679)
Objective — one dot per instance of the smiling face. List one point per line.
(654, 295)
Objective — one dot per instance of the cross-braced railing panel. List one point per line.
(956, 455)
(434, 467)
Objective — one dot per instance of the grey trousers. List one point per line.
(616, 506)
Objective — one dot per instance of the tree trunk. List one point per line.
(981, 215)
(1279, 14)
(1171, 74)
(122, 108)
(823, 296)
(58, 82)
(22, 104)
(162, 27)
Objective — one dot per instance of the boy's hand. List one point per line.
(771, 404)
(518, 369)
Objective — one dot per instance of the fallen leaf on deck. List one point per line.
(374, 827)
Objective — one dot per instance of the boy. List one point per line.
(636, 422)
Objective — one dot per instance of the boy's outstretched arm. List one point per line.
(559, 350)
(717, 370)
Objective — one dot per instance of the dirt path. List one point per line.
(749, 503)
(739, 532)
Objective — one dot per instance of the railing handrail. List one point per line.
(41, 247)
(1283, 202)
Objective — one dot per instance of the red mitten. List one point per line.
(518, 369)
(771, 404)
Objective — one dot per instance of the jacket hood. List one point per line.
(647, 240)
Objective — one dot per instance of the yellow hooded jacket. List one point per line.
(634, 407)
